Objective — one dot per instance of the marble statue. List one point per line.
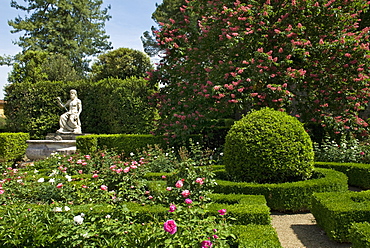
(70, 121)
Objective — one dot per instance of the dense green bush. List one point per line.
(286, 197)
(268, 146)
(336, 212)
(360, 235)
(122, 143)
(358, 174)
(109, 106)
(13, 146)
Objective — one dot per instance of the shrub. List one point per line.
(336, 212)
(290, 196)
(13, 146)
(360, 235)
(268, 146)
(358, 174)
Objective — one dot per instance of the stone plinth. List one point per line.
(59, 136)
(40, 149)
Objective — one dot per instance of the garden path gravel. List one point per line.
(300, 231)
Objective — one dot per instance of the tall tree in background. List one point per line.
(121, 63)
(73, 28)
(168, 9)
(307, 57)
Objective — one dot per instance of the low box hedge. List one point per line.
(256, 236)
(358, 174)
(360, 235)
(287, 197)
(336, 212)
(125, 143)
(13, 146)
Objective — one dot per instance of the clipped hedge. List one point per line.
(360, 235)
(125, 143)
(256, 236)
(336, 212)
(109, 106)
(358, 174)
(13, 146)
(287, 197)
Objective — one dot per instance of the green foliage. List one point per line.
(344, 151)
(360, 235)
(13, 146)
(336, 212)
(83, 213)
(109, 106)
(286, 197)
(268, 146)
(36, 66)
(122, 143)
(2, 124)
(261, 236)
(358, 174)
(72, 28)
(121, 63)
(223, 58)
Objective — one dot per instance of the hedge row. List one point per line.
(250, 231)
(124, 143)
(358, 174)
(336, 212)
(360, 235)
(13, 146)
(287, 197)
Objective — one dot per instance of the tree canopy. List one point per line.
(121, 63)
(225, 57)
(73, 28)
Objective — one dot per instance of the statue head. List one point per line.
(73, 94)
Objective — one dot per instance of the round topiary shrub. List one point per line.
(268, 146)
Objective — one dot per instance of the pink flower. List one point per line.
(80, 171)
(188, 201)
(179, 184)
(104, 187)
(199, 180)
(59, 185)
(150, 197)
(185, 193)
(163, 177)
(222, 211)
(170, 226)
(172, 208)
(84, 186)
(95, 176)
(126, 170)
(169, 188)
(87, 156)
(206, 244)
(2, 191)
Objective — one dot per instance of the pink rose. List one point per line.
(95, 176)
(59, 185)
(169, 188)
(84, 186)
(206, 244)
(172, 208)
(222, 211)
(179, 184)
(185, 193)
(2, 192)
(104, 187)
(199, 180)
(188, 201)
(126, 170)
(170, 226)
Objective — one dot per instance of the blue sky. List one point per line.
(129, 21)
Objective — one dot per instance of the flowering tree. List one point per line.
(223, 58)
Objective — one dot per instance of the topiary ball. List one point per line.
(268, 146)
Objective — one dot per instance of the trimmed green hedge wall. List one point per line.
(125, 143)
(360, 235)
(335, 212)
(13, 146)
(358, 174)
(287, 197)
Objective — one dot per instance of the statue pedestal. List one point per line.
(64, 144)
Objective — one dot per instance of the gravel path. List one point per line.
(300, 231)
